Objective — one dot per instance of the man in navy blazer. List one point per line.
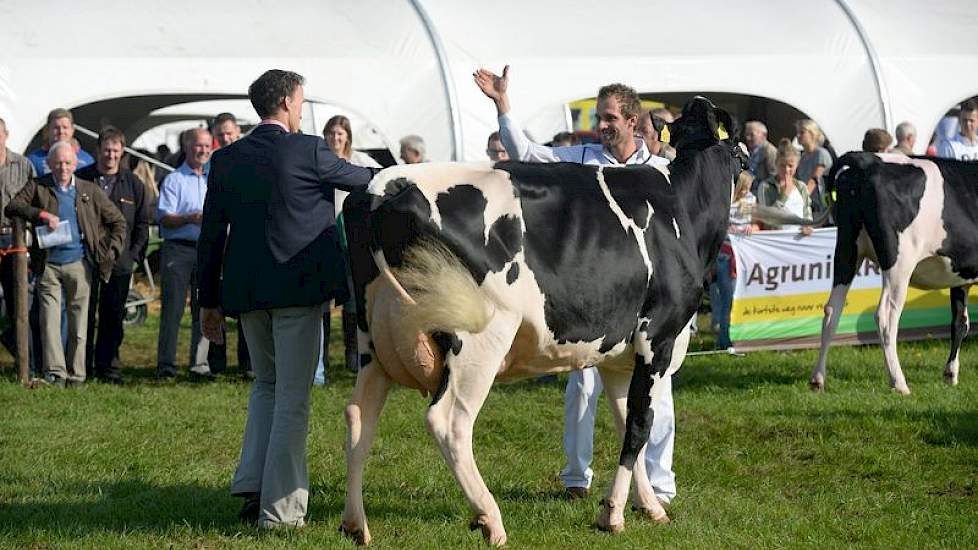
(269, 253)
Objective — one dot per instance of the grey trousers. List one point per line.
(283, 345)
(178, 275)
(76, 281)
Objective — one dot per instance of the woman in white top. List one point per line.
(784, 191)
(339, 137)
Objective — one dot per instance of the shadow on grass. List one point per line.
(950, 429)
(737, 378)
(937, 428)
(122, 506)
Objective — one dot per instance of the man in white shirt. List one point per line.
(964, 144)
(618, 112)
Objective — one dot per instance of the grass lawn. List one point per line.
(761, 461)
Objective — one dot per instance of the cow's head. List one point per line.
(701, 125)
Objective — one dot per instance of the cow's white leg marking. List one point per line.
(611, 514)
(892, 299)
(643, 499)
(960, 324)
(451, 417)
(830, 322)
(626, 222)
(362, 413)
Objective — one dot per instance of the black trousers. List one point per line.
(108, 301)
(217, 355)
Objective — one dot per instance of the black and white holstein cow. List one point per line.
(469, 273)
(917, 218)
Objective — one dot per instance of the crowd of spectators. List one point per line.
(104, 205)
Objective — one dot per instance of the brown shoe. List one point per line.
(577, 493)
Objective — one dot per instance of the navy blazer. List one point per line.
(269, 223)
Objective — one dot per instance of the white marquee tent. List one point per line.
(404, 66)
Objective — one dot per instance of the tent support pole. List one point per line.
(874, 60)
(454, 113)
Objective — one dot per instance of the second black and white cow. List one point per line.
(917, 218)
(469, 274)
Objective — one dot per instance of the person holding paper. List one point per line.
(86, 233)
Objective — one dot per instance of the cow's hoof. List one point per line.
(657, 516)
(816, 386)
(359, 535)
(902, 389)
(607, 520)
(951, 378)
(492, 531)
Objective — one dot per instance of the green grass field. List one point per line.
(761, 461)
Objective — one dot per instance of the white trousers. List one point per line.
(580, 407)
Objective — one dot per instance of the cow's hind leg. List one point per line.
(892, 298)
(471, 364)
(362, 413)
(643, 499)
(959, 329)
(847, 258)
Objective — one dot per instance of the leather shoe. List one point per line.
(250, 508)
(577, 493)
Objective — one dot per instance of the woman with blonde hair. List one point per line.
(783, 190)
(815, 160)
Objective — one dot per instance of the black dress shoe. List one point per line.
(111, 380)
(250, 508)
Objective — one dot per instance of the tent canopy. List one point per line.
(404, 66)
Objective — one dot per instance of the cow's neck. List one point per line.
(703, 179)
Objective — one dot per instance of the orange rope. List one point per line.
(12, 250)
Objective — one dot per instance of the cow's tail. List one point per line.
(779, 216)
(441, 294)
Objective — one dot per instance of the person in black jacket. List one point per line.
(269, 228)
(128, 194)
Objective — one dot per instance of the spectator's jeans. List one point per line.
(178, 275)
(75, 280)
(721, 298)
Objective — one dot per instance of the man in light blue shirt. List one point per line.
(60, 127)
(179, 213)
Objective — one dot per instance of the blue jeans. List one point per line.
(721, 298)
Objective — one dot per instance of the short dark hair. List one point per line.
(970, 105)
(626, 96)
(110, 133)
(271, 88)
(563, 139)
(877, 140)
(222, 118)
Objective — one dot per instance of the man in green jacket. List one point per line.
(96, 236)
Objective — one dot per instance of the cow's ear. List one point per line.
(711, 121)
(726, 126)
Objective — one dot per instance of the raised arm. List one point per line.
(512, 136)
